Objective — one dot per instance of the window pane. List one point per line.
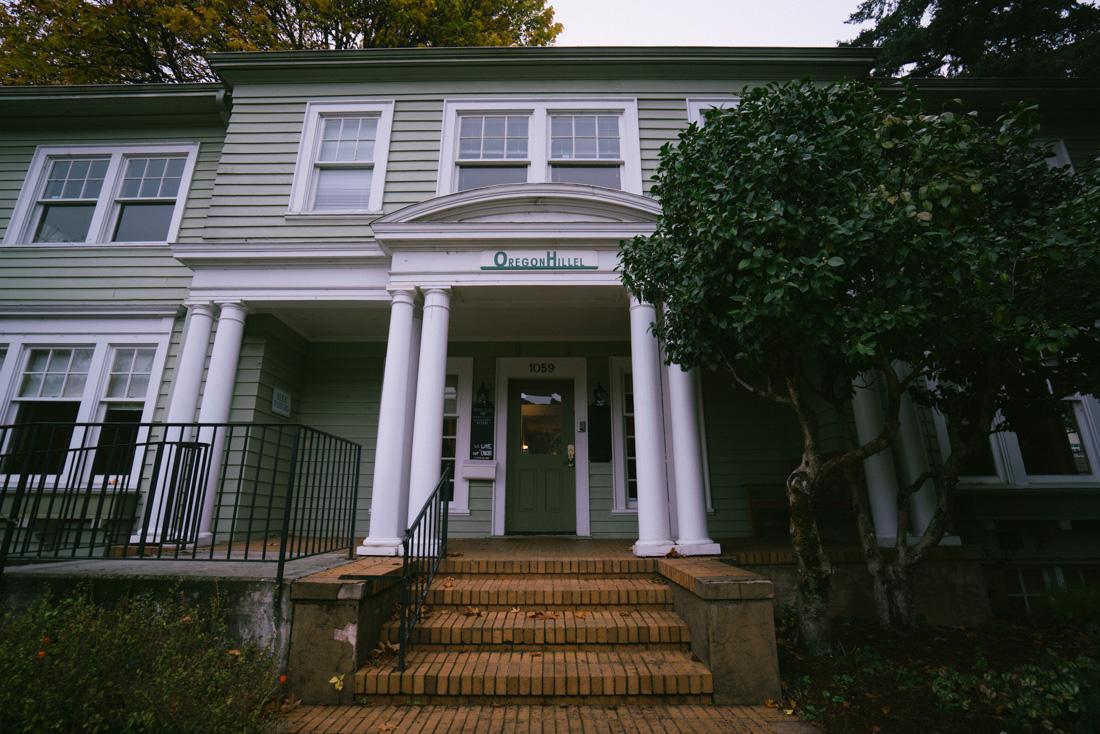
(152, 178)
(474, 177)
(346, 139)
(79, 178)
(343, 188)
(40, 440)
(492, 137)
(143, 222)
(606, 176)
(584, 137)
(64, 223)
(1051, 444)
(628, 436)
(114, 452)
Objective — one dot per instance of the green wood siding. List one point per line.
(78, 275)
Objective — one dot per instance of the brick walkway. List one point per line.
(541, 720)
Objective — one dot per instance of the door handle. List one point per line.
(571, 454)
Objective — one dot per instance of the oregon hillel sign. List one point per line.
(545, 260)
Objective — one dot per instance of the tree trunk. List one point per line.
(814, 570)
(899, 594)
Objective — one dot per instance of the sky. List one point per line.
(704, 22)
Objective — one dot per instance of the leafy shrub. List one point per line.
(1053, 695)
(1072, 605)
(144, 664)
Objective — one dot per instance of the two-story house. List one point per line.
(415, 250)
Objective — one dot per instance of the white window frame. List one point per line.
(697, 105)
(101, 229)
(538, 131)
(463, 367)
(1008, 460)
(619, 367)
(102, 336)
(301, 191)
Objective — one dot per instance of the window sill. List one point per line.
(625, 511)
(460, 511)
(352, 214)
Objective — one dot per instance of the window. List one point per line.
(103, 194)
(58, 386)
(697, 107)
(492, 149)
(507, 141)
(457, 406)
(1046, 448)
(1057, 155)
(342, 159)
(585, 149)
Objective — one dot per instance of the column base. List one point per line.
(698, 548)
(380, 547)
(650, 548)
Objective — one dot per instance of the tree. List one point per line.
(994, 38)
(97, 41)
(820, 234)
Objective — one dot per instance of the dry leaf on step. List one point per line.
(515, 610)
(472, 612)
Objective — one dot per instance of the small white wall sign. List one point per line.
(280, 402)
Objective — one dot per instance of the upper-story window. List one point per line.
(94, 194)
(507, 141)
(697, 107)
(341, 166)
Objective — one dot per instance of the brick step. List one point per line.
(492, 594)
(527, 676)
(536, 567)
(446, 626)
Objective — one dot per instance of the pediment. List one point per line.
(529, 204)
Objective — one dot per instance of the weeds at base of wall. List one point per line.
(140, 664)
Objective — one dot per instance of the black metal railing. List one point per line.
(424, 548)
(179, 491)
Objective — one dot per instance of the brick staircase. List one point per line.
(544, 631)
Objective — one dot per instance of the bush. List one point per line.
(1054, 695)
(144, 664)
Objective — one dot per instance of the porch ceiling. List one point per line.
(496, 313)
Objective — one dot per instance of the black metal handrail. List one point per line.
(271, 492)
(424, 548)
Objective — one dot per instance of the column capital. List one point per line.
(203, 309)
(235, 310)
(635, 302)
(437, 297)
(403, 295)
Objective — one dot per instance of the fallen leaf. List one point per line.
(534, 654)
(387, 727)
(449, 582)
(454, 555)
(185, 619)
(788, 712)
(337, 681)
(234, 652)
(672, 553)
(515, 610)
(582, 614)
(472, 612)
(771, 703)
(885, 710)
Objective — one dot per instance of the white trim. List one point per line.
(106, 212)
(304, 167)
(696, 105)
(538, 141)
(565, 368)
(463, 367)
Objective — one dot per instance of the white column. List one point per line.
(188, 378)
(691, 500)
(654, 536)
(217, 399)
(390, 490)
(427, 442)
(181, 409)
(913, 460)
(882, 483)
(410, 414)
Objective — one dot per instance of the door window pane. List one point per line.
(143, 222)
(343, 188)
(64, 222)
(475, 177)
(605, 176)
(540, 418)
(1051, 443)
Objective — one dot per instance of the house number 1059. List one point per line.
(542, 368)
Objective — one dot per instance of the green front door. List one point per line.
(540, 494)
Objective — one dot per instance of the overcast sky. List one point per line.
(704, 22)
